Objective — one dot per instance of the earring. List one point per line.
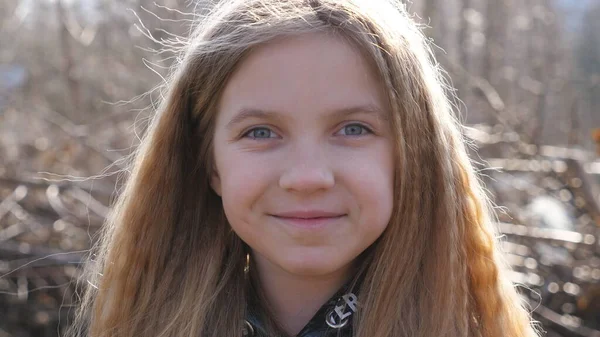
(247, 266)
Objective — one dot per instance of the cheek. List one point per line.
(377, 198)
(371, 181)
(244, 181)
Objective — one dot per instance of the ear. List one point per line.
(215, 181)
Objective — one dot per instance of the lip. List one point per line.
(314, 219)
(308, 214)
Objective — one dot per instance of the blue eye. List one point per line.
(260, 133)
(355, 130)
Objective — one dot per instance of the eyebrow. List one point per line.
(247, 113)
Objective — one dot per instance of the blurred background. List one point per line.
(76, 92)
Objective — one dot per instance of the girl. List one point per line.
(305, 176)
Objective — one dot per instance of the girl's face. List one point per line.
(304, 155)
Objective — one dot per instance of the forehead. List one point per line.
(314, 72)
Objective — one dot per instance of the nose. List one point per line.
(307, 172)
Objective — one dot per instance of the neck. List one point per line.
(294, 299)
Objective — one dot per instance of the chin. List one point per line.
(304, 266)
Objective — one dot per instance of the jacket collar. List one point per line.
(334, 318)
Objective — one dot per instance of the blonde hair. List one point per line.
(168, 263)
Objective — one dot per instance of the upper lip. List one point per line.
(308, 214)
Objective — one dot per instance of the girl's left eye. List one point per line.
(354, 130)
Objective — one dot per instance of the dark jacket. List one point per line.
(334, 318)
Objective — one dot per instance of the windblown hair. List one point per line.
(168, 262)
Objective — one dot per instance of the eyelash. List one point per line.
(247, 133)
(364, 127)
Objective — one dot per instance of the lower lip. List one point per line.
(310, 223)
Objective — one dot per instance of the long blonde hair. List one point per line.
(168, 263)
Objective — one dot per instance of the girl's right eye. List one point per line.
(260, 133)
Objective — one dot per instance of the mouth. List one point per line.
(309, 219)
